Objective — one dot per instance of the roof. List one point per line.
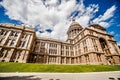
(97, 26)
(74, 25)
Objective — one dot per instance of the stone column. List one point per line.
(58, 53)
(9, 55)
(88, 44)
(98, 45)
(64, 60)
(17, 40)
(47, 61)
(69, 60)
(7, 36)
(47, 52)
(17, 54)
(27, 42)
(93, 58)
(91, 44)
(22, 55)
(117, 48)
(4, 53)
(25, 57)
(30, 41)
(116, 59)
(112, 50)
(75, 60)
(1, 57)
(103, 59)
(83, 59)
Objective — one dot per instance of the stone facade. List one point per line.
(15, 43)
(89, 45)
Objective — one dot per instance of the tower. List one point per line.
(73, 30)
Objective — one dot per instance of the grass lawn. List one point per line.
(29, 67)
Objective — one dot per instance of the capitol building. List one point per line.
(89, 45)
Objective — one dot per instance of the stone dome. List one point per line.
(74, 25)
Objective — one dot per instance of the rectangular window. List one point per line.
(19, 54)
(2, 32)
(36, 49)
(99, 57)
(82, 34)
(42, 51)
(91, 32)
(12, 33)
(119, 58)
(71, 48)
(1, 40)
(84, 43)
(62, 52)
(62, 60)
(67, 47)
(96, 48)
(6, 53)
(94, 41)
(62, 47)
(67, 60)
(87, 58)
(67, 53)
(23, 43)
(79, 51)
(95, 44)
(110, 37)
(85, 49)
(80, 60)
(24, 36)
(12, 42)
(5, 33)
(20, 44)
(53, 45)
(8, 42)
(2, 52)
(16, 34)
(42, 43)
(37, 43)
(107, 52)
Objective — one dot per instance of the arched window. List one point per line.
(103, 43)
(104, 46)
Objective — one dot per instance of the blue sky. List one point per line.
(51, 18)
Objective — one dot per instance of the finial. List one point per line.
(73, 19)
(91, 22)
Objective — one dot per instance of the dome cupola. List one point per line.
(74, 29)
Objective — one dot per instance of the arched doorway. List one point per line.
(106, 50)
(104, 46)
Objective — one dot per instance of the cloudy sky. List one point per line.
(51, 18)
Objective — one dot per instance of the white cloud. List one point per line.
(118, 43)
(107, 15)
(84, 20)
(117, 35)
(112, 32)
(54, 14)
